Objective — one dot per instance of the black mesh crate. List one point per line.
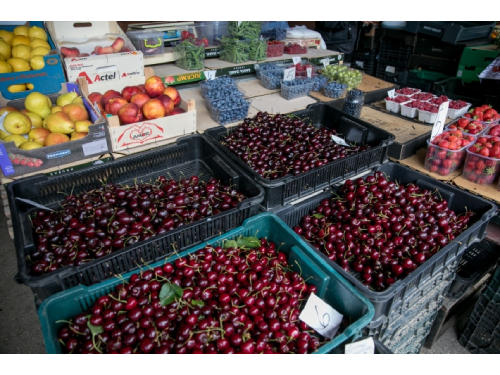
(475, 262)
(473, 92)
(284, 190)
(452, 31)
(364, 60)
(394, 51)
(191, 155)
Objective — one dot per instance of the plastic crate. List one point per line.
(387, 302)
(412, 344)
(192, 155)
(332, 288)
(475, 262)
(394, 51)
(456, 89)
(452, 31)
(379, 347)
(283, 191)
(364, 60)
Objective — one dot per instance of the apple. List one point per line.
(108, 95)
(139, 99)
(154, 86)
(130, 113)
(167, 102)
(114, 105)
(153, 108)
(95, 97)
(173, 94)
(130, 91)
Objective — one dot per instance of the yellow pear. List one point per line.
(3, 134)
(37, 32)
(39, 51)
(38, 103)
(64, 99)
(82, 126)
(17, 139)
(19, 65)
(55, 139)
(76, 112)
(5, 67)
(17, 123)
(7, 36)
(35, 43)
(29, 86)
(21, 30)
(37, 62)
(7, 109)
(22, 51)
(49, 102)
(60, 122)
(44, 123)
(56, 108)
(20, 39)
(2, 58)
(17, 88)
(38, 135)
(75, 136)
(36, 120)
(78, 100)
(29, 145)
(5, 49)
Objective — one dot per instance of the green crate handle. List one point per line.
(152, 46)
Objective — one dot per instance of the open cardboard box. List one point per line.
(148, 131)
(16, 162)
(96, 68)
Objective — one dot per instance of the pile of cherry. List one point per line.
(111, 217)
(276, 146)
(242, 298)
(381, 230)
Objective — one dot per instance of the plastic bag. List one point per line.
(302, 32)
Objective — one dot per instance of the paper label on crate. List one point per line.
(209, 74)
(361, 64)
(296, 60)
(321, 317)
(366, 346)
(309, 72)
(459, 73)
(339, 141)
(34, 204)
(391, 93)
(96, 147)
(390, 69)
(440, 121)
(289, 74)
(325, 62)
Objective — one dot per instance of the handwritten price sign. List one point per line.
(321, 317)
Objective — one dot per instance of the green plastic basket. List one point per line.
(332, 287)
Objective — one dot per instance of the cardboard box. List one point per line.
(16, 162)
(489, 192)
(144, 132)
(47, 80)
(96, 68)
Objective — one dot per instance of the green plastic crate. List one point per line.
(332, 287)
(474, 60)
(429, 75)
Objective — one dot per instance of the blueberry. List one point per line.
(296, 88)
(335, 89)
(353, 103)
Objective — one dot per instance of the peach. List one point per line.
(154, 86)
(105, 50)
(114, 105)
(167, 102)
(110, 94)
(142, 87)
(95, 97)
(174, 95)
(129, 114)
(177, 111)
(118, 44)
(130, 91)
(70, 52)
(153, 108)
(139, 99)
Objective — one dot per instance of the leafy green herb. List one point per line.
(168, 292)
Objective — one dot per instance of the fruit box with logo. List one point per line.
(16, 162)
(87, 37)
(148, 131)
(47, 80)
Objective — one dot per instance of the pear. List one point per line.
(60, 122)
(38, 103)
(3, 134)
(76, 112)
(82, 126)
(64, 99)
(36, 121)
(29, 145)
(16, 138)
(56, 108)
(78, 100)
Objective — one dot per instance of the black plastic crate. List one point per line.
(475, 262)
(452, 31)
(283, 191)
(394, 51)
(387, 302)
(191, 155)
(368, 61)
(397, 74)
(473, 92)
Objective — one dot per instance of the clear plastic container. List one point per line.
(335, 90)
(222, 93)
(395, 106)
(244, 29)
(353, 103)
(225, 116)
(188, 55)
(149, 42)
(456, 113)
(258, 49)
(268, 30)
(455, 124)
(199, 31)
(234, 50)
(481, 169)
(259, 68)
(271, 79)
(215, 31)
(319, 82)
(495, 129)
(442, 160)
(302, 86)
(214, 84)
(275, 48)
(296, 47)
(301, 69)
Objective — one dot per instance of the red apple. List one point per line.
(129, 113)
(139, 99)
(110, 94)
(174, 95)
(177, 111)
(154, 86)
(95, 97)
(167, 102)
(114, 105)
(153, 108)
(130, 91)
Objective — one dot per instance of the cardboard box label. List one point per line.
(58, 154)
(95, 147)
(183, 78)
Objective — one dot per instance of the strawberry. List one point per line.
(490, 163)
(484, 152)
(447, 163)
(434, 168)
(480, 165)
(444, 171)
(436, 162)
(462, 123)
(441, 154)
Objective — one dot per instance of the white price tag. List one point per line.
(209, 74)
(391, 93)
(309, 72)
(459, 73)
(361, 64)
(321, 317)
(326, 62)
(34, 204)
(296, 60)
(440, 121)
(289, 74)
(95, 147)
(239, 23)
(390, 69)
(366, 346)
(339, 141)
